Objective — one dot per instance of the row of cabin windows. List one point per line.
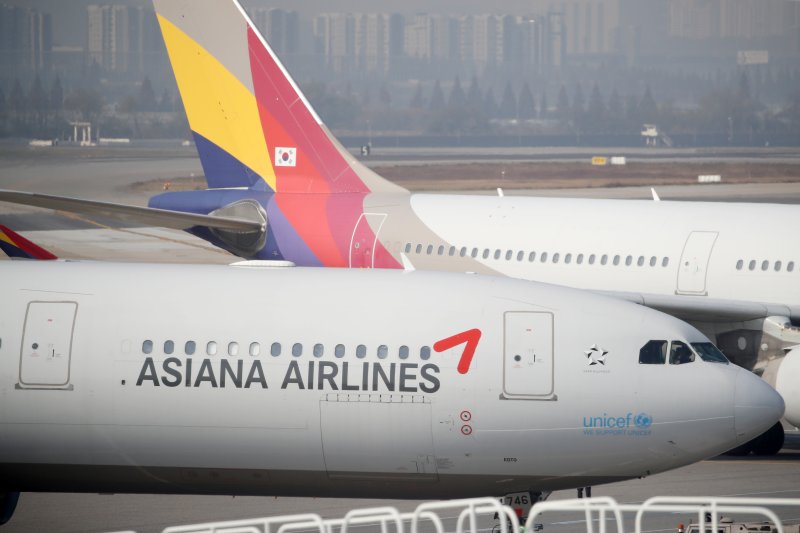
(276, 349)
(543, 257)
(764, 265)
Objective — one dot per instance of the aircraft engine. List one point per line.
(243, 244)
(787, 383)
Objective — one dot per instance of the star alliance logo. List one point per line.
(596, 355)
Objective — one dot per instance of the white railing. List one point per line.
(466, 514)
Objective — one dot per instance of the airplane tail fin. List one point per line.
(251, 123)
(16, 246)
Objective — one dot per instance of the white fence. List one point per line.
(597, 514)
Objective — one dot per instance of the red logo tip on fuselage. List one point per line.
(470, 337)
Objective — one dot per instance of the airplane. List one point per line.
(281, 187)
(256, 379)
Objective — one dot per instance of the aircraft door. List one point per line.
(398, 430)
(362, 243)
(528, 355)
(694, 262)
(47, 345)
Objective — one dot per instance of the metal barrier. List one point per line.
(466, 514)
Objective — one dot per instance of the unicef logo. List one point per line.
(643, 420)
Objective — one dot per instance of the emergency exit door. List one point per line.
(694, 262)
(47, 345)
(528, 355)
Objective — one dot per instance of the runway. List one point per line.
(111, 179)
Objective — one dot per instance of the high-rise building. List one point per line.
(335, 36)
(123, 39)
(281, 28)
(26, 41)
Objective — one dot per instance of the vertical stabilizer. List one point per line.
(16, 246)
(251, 123)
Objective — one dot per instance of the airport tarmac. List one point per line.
(77, 237)
(773, 477)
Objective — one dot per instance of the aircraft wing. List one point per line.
(701, 309)
(130, 213)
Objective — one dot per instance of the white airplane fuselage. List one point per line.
(323, 382)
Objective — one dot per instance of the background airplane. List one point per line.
(282, 187)
(247, 379)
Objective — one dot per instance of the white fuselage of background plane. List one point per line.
(246, 380)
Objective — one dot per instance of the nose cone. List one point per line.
(757, 406)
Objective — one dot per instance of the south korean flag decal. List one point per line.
(285, 157)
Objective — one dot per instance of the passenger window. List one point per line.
(628, 260)
(543, 257)
(319, 350)
(189, 348)
(485, 253)
(640, 261)
(653, 261)
(211, 348)
(752, 265)
(338, 351)
(361, 351)
(297, 349)
(604, 260)
(275, 349)
(147, 347)
(591, 259)
(739, 264)
(616, 260)
(383, 351)
(404, 352)
(508, 255)
(520, 255)
(778, 266)
(653, 353)
(408, 247)
(709, 353)
(440, 251)
(425, 353)
(568, 258)
(497, 254)
(233, 348)
(452, 251)
(580, 259)
(429, 249)
(419, 249)
(790, 266)
(463, 251)
(764, 265)
(531, 257)
(665, 262)
(255, 349)
(474, 252)
(556, 256)
(680, 354)
(169, 347)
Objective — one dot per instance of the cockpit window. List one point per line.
(710, 353)
(680, 354)
(653, 353)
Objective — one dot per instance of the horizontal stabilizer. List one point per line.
(129, 213)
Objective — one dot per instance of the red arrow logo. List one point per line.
(470, 337)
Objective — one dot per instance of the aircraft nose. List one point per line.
(757, 406)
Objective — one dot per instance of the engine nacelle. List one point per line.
(787, 383)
